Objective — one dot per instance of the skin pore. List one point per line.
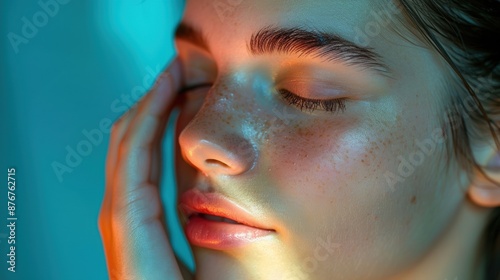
(318, 177)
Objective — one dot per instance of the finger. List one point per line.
(117, 132)
(146, 130)
(122, 124)
(162, 98)
(137, 226)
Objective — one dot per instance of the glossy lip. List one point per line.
(214, 234)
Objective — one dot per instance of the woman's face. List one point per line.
(352, 183)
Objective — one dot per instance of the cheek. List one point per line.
(311, 154)
(331, 180)
(311, 160)
(326, 173)
(323, 170)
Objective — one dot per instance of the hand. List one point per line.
(131, 217)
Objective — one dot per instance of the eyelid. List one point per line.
(329, 105)
(307, 88)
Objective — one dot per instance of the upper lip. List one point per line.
(194, 201)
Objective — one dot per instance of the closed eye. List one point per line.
(329, 105)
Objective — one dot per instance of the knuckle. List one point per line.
(125, 144)
(127, 138)
(124, 148)
(129, 148)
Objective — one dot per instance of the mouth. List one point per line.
(214, 222)
(217, 219)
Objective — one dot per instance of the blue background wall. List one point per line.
(66, 77)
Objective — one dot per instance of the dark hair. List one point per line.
(465, 33)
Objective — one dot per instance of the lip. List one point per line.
(219, 235)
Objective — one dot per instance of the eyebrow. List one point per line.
(299, 41)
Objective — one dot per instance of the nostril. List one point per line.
(224, 158)
(216, 162)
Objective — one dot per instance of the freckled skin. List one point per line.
(316, 175)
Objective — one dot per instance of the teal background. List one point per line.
(67, 79)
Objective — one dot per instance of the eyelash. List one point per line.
(329, 105)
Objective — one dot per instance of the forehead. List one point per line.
(238, 15)
(229, 24)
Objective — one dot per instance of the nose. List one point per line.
(224, 157)
(214, 141)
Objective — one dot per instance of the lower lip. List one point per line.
(220, 235)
